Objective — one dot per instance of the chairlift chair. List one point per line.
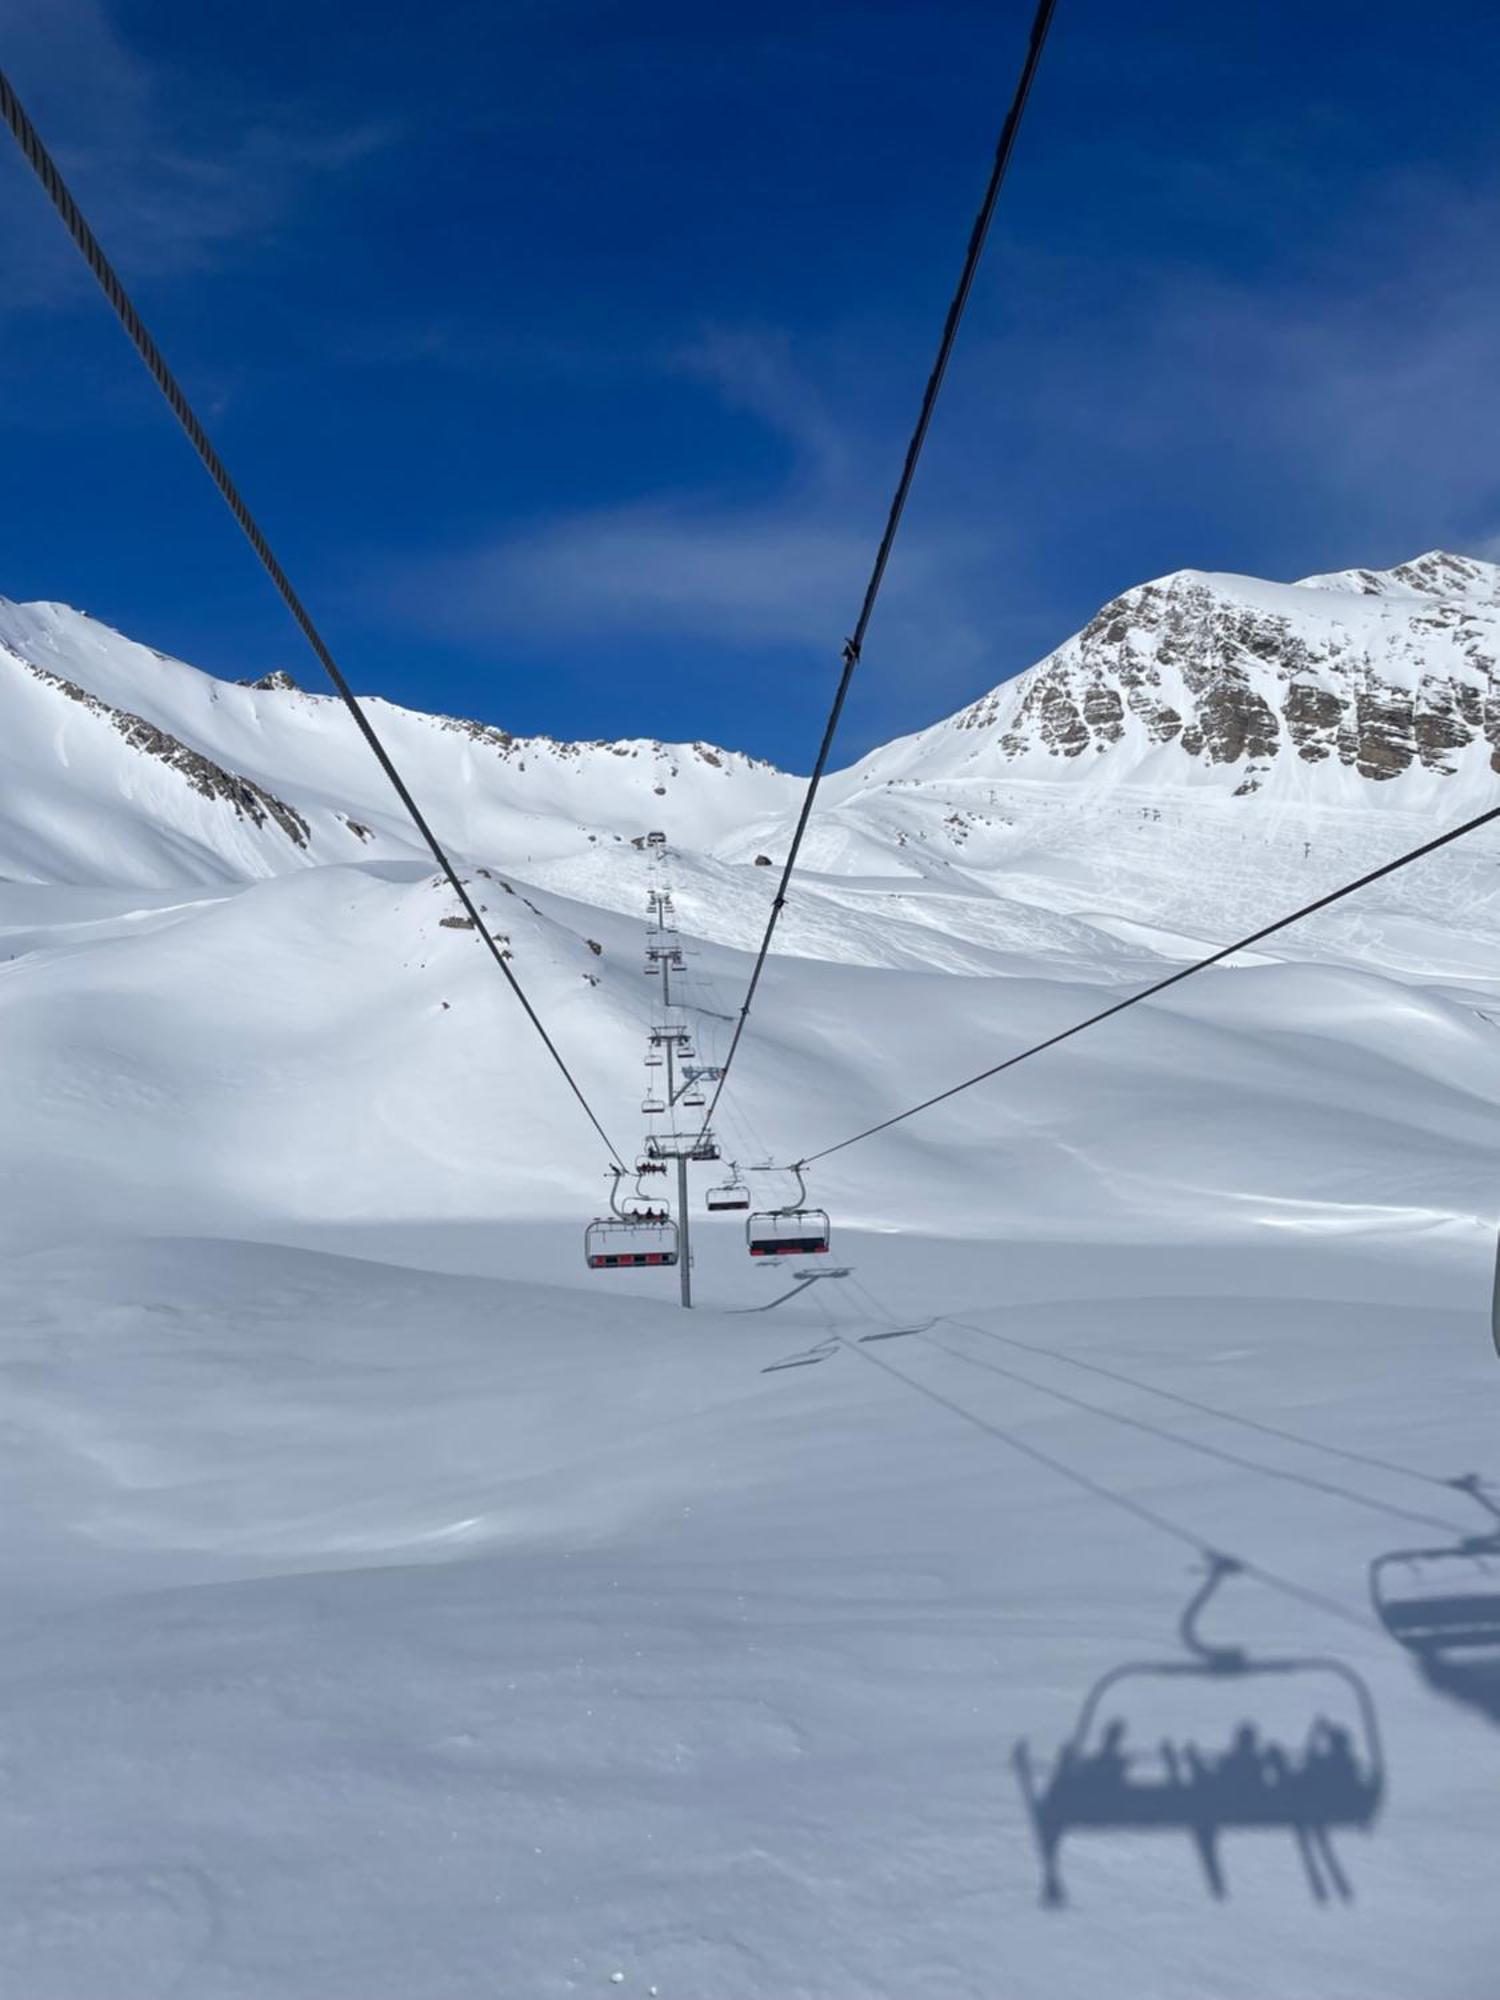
(731, 1194)
(612, 1244)
(688, 1145)
(630, 1238)
(793, 1231)
(1120, 1771)
(652, 1106)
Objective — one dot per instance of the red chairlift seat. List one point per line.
(623, 1243)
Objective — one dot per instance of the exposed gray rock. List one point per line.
(1260, 680)
(249, 800)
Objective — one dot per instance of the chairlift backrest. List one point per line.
(788, 1232)
(730, 1194)
(621, 1243)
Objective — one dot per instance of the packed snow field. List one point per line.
(395, 1611)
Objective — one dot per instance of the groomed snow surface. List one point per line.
(377, 1632)
(394, 1611)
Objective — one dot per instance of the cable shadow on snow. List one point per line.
(1164, 1746)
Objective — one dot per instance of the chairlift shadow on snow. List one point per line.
(1166, 1746)
(1443, 1606)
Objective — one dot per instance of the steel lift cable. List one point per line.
(1161, 985)
(854, 644)
(46, 171)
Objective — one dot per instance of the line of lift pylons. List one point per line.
(641, 1231)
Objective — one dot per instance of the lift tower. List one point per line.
(671, 1047)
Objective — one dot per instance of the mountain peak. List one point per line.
(1296, 689)
(1438, 573)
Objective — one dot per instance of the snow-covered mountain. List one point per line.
(212, 889)
(1244, 686)
(392, 1607)
(121, 765)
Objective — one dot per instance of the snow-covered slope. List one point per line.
(121, 765)
(396, 1611)
(369, 1635)
(244, 971)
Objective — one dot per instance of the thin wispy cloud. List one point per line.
(167, 201)
(785, 570)
(1354, 392)
(1340, 394)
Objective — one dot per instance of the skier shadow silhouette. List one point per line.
(1443, 1606)
(1330, 1778)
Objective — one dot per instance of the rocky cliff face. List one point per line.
(1382, 672)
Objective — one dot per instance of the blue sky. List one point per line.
(567, 349)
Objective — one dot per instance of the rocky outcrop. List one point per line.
(1313, 716)
(1238, 674)
(668, 757)
(248, 800)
